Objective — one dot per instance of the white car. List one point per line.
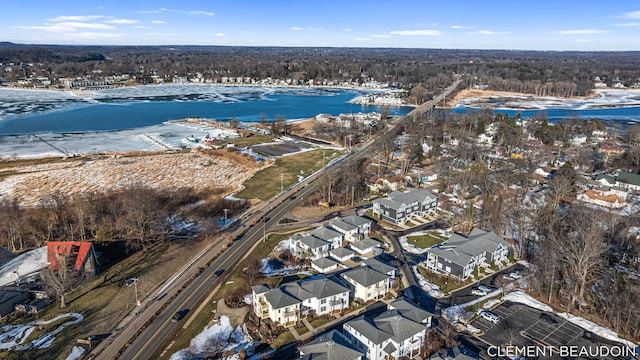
(489, 316)
(516, 275)
(486, 288)
(479, 292)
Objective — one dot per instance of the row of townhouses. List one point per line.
(400, 206)
(290, 302)
(459, 255)
(396, 333)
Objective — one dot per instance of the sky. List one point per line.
(490, 24)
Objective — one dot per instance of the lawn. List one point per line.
(253, 139)
(425, 241)
(446, 284)
(265, 184)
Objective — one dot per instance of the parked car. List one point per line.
(479, 292)
(489, 316)
(179, 315)
(548, 318)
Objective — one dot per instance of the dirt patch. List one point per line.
(302, 127)
(477, 93)
(236, 315)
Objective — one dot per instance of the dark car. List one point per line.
(218, 272)
(548, 318)
(179, 315)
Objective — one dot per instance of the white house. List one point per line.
(324, 265)
(330, 346)
(365, 246)
(352, 227)
(579, 139)
(386, 336)
(366, 283)
(329, 235)
(309, 247)
(342, 254)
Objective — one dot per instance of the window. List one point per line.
(323, 309)
(323, 301)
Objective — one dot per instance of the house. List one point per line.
(324, 265)
(380, 266)
(289, 302)
(455, 353)
(579, 139)
(386, 336)
(610, 201)
(484, 139)
(309, 247)
(366, 283)
(628, 180)
(330, 346)
(365, 246)
(79, 257)
(393, 183)
(411, 311)
(329, 235)
(342, 254)
(353, 228)
(398, 207)
(611, 150)
(459, 255)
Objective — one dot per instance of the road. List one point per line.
(146, 334)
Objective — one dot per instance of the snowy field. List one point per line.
(604, 99)
(14, 337)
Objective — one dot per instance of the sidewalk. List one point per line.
(344, 318)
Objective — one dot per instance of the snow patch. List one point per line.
(23, 265)
(76, 353)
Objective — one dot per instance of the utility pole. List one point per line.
(323, 159)
(281, 183)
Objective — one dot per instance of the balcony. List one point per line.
(337, 302)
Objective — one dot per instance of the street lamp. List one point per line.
(281, 183)
(133, 281)
(225, 216)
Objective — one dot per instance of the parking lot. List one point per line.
(521, 325)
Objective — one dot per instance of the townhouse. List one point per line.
(353, 227)
(459, 255)
(366, 283)
(330, 346)
(399, 207)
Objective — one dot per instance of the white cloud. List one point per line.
(140, 27)
(157, 22)
(381, 36)
(417, 32)
(200, 12)
(221, 35)
(296, 28)
(122, 21)
(628, 24)
(581, 32)
(50, 28)
(162, 34)
(82, 18)
(84, 25)
(632, 15)
(487, 32)
(458, 27)
(362, 39)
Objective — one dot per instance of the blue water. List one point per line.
(120, 115)
(622, 116)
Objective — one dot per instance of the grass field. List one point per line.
(265, 184)
(425, 241)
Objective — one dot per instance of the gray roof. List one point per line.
(313, 242)
(364, 244)
(477, 242)
(452, 254)
(278, 298)
(330, 346)
(343, 225)
(410, 310)
(398, 198)
(629, 178)
(5, 256)
(325, 233)
(324, 287)
(390, 348)
(378, 265)
(386, 326)
(365, 276)
(260, 289)
(356, 220)
(341, 252)
(324, 262)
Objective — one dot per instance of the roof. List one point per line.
(324, 287)
(398, 198)
(325, 233)
(5, 256)
(390, 348)
(23, 265)
(356, 220)
(343, 225)
(278, 298)
(313, 242)
(341, 252)
(260, 289)
(629, 178)
(477, 242)
(388, 325)
(409, 309)
(81, 250)
(365, 276)
(330, 346)
(597, 195)
(324, 262)
(365, 244)
(608, 178)
(365, 326)
(379, 265)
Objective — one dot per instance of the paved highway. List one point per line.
(147, 334)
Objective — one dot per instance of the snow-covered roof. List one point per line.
(23, 265)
